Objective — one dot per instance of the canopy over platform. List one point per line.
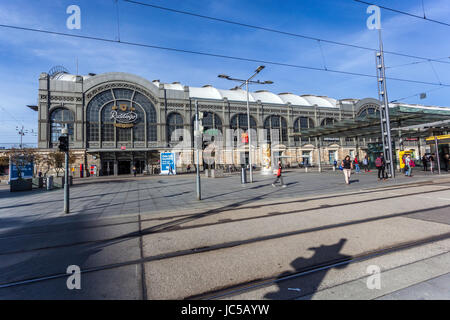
(401, 117)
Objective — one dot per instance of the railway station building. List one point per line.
(120, 120)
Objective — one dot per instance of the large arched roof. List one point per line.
(208, 91)
(267, 97)
(320, 101)
(294, 99)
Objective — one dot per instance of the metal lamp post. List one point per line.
(65, 132)
(246, 83)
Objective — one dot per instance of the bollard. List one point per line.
(243, 175)
(306, 169)
(50, 183)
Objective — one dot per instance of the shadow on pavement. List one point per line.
(297, 287)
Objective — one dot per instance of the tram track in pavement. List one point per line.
(174, 226)
(230, 244)
(236, 289)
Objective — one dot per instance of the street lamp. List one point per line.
(246, 83)
(64, 139)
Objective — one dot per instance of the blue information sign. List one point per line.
(27, 171)
(168, 163)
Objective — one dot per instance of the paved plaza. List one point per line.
(103, 197)
(149, 238)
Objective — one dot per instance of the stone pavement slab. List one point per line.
(434, 289)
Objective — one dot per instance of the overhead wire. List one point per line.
(277, 31)
(214, 54)
(405, 13)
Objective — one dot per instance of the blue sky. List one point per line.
(24, 55)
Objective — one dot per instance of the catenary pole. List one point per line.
(197, 141)
(250, 158)
(438, 161)
(384, 109)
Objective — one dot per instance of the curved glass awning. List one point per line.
(401, 117)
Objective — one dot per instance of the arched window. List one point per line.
(239, 121)
(368, 110)
(276, 123)
(174, 121)
(99, 117)
(329, 122)
(59, 118)
(300, 124)
(107, 123)
(209, 121)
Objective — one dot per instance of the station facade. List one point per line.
(119, 120)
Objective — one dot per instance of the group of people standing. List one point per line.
(347, 165)
(428, 160)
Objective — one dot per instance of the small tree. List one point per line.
(4, 161)
(56, 160)
(39, 160)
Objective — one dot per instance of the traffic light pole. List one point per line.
(66, 183)
(64, 147)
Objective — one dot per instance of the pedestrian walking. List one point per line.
(409, 164)
(366, 164)
(380, 163)
(357, 169)
(431, 161)
(279, 177)
(134, 171)
(170, 170)
(347, 167)
(446, 161)
(424, 162)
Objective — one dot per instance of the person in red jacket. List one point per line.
(279, 177)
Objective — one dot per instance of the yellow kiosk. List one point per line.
(402, 155)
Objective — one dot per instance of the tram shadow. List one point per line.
(313, 270)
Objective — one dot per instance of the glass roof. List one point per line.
(400, 116)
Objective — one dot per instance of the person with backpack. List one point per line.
(409, 164)
(347, 166)
(380, 163)
(279, 177)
